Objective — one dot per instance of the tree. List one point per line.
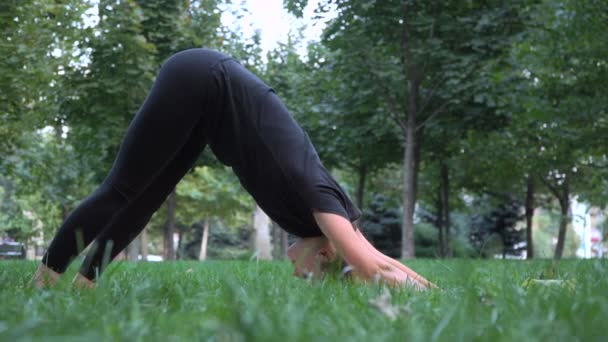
(127, 47)
(382, 226)
(107, 91)
(37, 38)
(566, 78)
(45, 181)
(420, 59)
(208, 193)
(169, 25)
(497, 223)
(341, 130)
(546, 89)
(261, 234)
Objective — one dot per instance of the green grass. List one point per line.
(249, 301)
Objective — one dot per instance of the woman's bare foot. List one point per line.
(44, 277)
(83, 282)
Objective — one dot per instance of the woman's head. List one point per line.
(313, 257)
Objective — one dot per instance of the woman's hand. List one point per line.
(411, 276)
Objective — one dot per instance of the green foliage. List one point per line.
(555, 89)
(247, 50)
(426, 66)
(494, 229)
(211, 193)
(381, 224)
(32, 34)
(225, 242)
(84, 75)
(175, 25)
(161, 25)
(216, 196)
(44, 183)
(107, 91)
(295, 7)
(508, 92)
(262, 301)
(555, 104)
(12, 219)
(545, 231)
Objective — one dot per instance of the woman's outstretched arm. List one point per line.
(368, 264)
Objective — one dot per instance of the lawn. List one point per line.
(261, 301)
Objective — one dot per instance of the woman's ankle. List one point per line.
(83, 282)
(44, 277)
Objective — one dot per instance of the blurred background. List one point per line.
(461, 128)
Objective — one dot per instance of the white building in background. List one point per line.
(586, 222)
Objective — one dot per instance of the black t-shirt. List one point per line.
(271, 154)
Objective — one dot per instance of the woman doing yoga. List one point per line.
(202, 97)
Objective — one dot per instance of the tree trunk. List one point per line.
(529, 217)
(361, 185)
(204, 241)
(144, 244)
(261, 240)
(419, 137)
(178, 251)
(445, 199)
(564, 203)
(279, 242)
(414, 78)
(132, 250)
(409, 169)
(276, 240)
(168, 244)
(439, 222)
(284, 244)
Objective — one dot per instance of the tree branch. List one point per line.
(392, 103)
(434, 114)
(428, 98)
(554, 190)
(431, 35)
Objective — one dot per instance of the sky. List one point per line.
(274, 22)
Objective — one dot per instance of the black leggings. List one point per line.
(162, 143)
